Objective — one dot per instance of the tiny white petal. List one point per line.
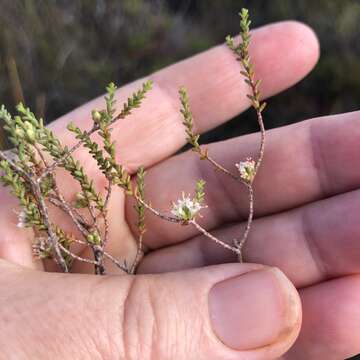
(186, 208)
(21, 219)
(246, 169)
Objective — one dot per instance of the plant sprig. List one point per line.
(38, 153)
(33, 182)
(247, 168)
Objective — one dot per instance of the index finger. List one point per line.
(283, 53)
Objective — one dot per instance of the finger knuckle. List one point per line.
(140, 321)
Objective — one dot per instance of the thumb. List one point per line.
(232, 311)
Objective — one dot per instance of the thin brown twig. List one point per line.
(105, 214)
(106, 254)
(63, 205)
(258, 108)
(219, 167)
(94, 128)
(240, 244)
(77, 257)
(80, 242)
(158, 213)
(41, 155)
(108, 194)
(139, 253)
(54, 199)
(45, 214)
(56, 189)
(225, 171)
(60, 161)
(92, 213)
(99, 254)
(261, 125)
(42, 208)
(116, 262)
(213, 238)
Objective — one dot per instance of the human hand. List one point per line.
(228, 311)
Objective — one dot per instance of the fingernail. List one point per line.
(254, 309)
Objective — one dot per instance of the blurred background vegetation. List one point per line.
(56, 55)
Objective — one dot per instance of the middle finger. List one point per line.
(310, 244)
(304, 162)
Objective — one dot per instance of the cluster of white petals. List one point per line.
(246, 169)
(21, 219)
(186, 208)
(39, 247)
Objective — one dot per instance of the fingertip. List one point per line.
(307, 42)
(289, 51)
(256, 310)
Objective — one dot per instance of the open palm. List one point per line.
(306, 207)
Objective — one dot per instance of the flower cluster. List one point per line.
(246, 169)
(41, 248)
(186, 208)
(21, 219)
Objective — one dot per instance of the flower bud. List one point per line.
(94, 238)
(19, 132)
(96, 116)
(30, 131)
(247, 169)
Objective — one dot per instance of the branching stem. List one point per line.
(213, 238)
(42, 208)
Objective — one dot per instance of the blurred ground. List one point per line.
(55, 56)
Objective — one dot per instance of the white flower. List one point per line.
(21, 219)
(40, 248)
(246, 169)
(186, 208)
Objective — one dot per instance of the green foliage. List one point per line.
(243, 48)
(65, 53)
(136, 99)
(93, 238)
(188, 121)
(65, 241)
(242, 52)
(26, 130)
(110, 102)
(17, 130)
(140, 193)
(199, 191)
(32, 178)
(31, 215)
(103, 120)
(107, 164)
(47, 184)
(37, 187)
